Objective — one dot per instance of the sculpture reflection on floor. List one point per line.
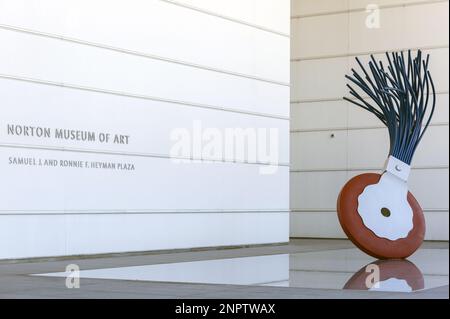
(325, 269)
(388, 275)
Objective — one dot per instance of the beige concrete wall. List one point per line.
(326, 36)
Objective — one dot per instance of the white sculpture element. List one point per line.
(392, 284)
(384, 207)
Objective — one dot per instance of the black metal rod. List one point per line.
(401, 96)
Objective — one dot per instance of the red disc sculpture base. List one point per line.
(364, 238)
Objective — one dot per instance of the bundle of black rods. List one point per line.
(399, 95)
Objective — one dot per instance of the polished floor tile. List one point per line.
(347, 269)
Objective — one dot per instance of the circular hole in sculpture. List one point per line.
(386, 212)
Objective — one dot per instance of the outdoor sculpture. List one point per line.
(377, 212)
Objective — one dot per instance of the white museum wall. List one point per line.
(326, 36)
(140, 68)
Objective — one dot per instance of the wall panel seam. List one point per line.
(228, 18)
(356, 128)
(362, 53)
(142, 212)
(139, 54)
(357, 169)
(340, 99)
(348, 11)
(333, 210)
(138, 96)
